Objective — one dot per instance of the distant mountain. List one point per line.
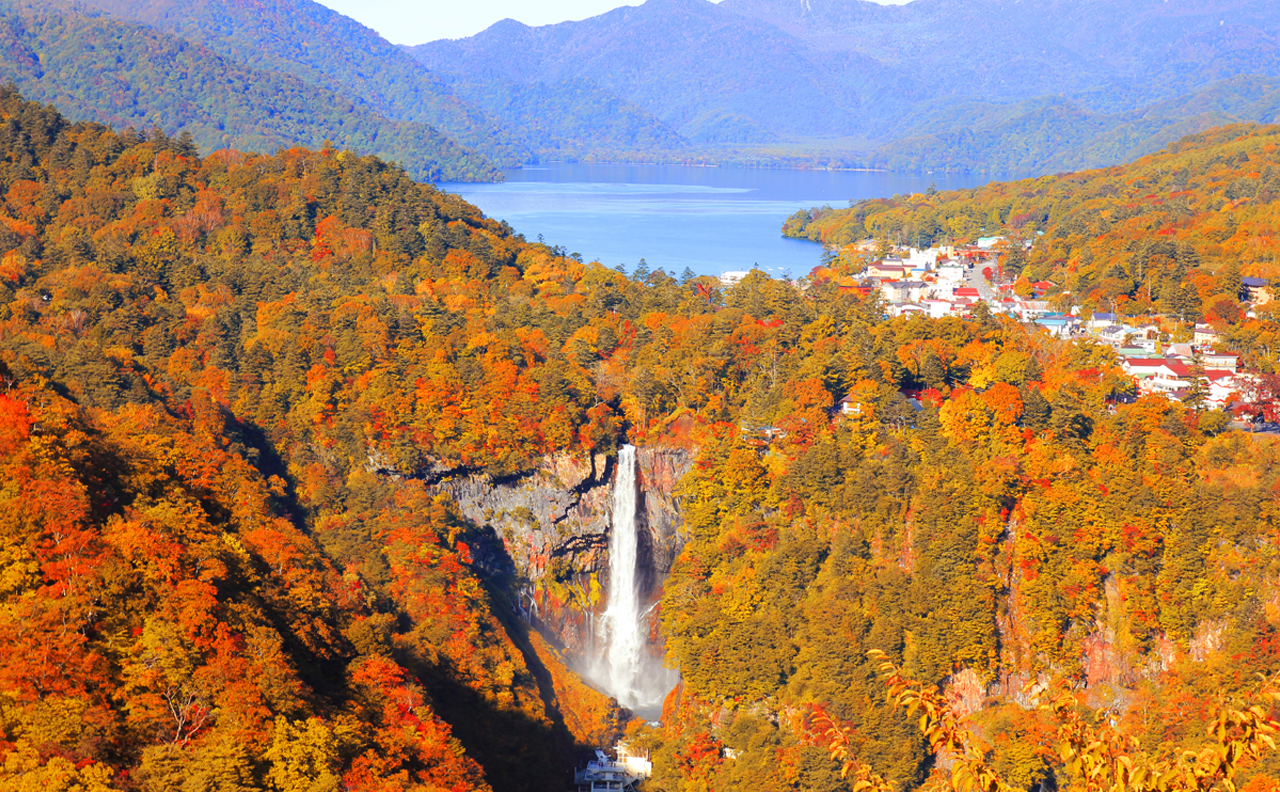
(323, 48)
(572, 119)
(1003, 86)
(988, 84)
(1057, 134)
(95, 67)
(714, 76)
(1011, 50)
(355, 75)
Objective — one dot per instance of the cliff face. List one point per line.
(661, 470)
(1107, 662)
(555, 525)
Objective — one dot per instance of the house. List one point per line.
(889, 268)
(1222, 385)
(1204, 334)
(603, 774)
(907, 309)
(1223, 361)
(944, 290)
(1102, 320)
(1144, 367)
(1031, 309)
(1166, 377)
(1257, 290)
(938, 308)
(1173, 379)
(903, 291)
(922, 259)
(1146, 337)
(1059, 325)
(1135, 351)
(1114, 335)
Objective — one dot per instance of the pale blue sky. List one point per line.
(420, 21)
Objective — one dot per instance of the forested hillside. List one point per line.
(209, 571)
(332, 52)
(123, 73)
(231, 384)
(511, 124)
(575, 119)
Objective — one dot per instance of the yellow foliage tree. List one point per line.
(1095, 757)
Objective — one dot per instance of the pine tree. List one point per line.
(1197, 392)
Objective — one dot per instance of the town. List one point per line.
(1185, 361)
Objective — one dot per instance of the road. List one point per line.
(976, 280)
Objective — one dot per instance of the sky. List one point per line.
(420, 21)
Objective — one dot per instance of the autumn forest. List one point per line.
(233, 387)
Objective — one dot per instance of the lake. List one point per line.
(710, 220)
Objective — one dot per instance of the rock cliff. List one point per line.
(554, 523)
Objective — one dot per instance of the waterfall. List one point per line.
(622, 618)
(632, 675)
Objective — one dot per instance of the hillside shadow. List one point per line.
(518, 752)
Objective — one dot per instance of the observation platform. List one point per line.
(623, 774)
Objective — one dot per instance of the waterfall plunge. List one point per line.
(634, 677)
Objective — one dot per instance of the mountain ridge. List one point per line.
(742, 74)
(95, 66)
(324, 48)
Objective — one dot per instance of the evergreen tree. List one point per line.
(1197, 391)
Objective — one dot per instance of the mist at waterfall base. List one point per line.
(629, 669)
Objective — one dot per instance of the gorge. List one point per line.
(590, 542)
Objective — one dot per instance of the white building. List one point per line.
(1204, 334)
(1225, 361)
(603, 774)
(906, 309)
(903, 291)
(938, 308)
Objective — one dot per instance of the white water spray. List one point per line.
(634, 678)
